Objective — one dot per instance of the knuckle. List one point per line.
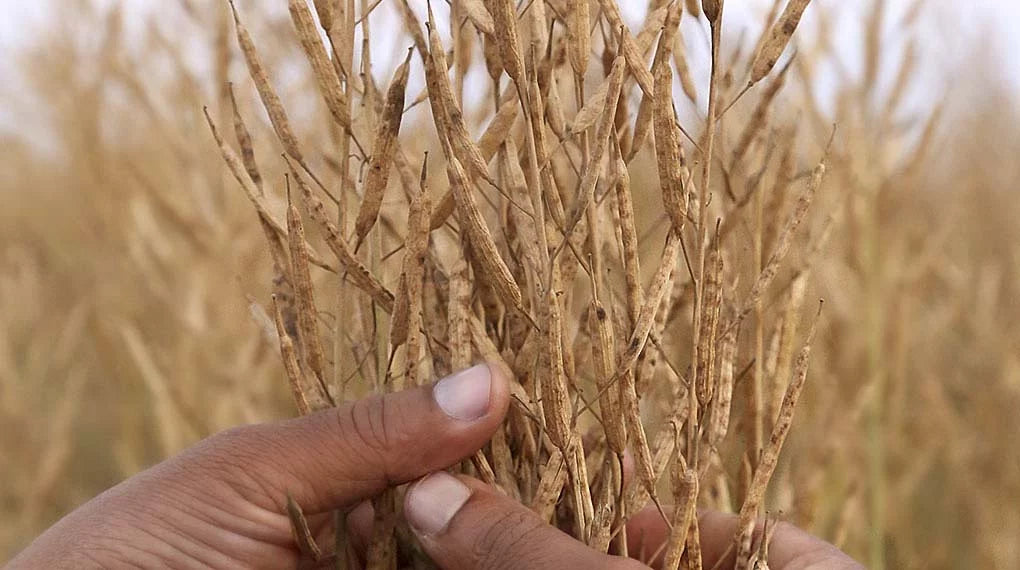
(374, 430)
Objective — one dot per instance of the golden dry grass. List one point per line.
(136, 281)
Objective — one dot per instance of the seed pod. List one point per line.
(719, 420)
(578, 37)
(759, 118)
(416, 249)
(784, 242)
(504, 16)
(479, 16)
(547, 184)
(660, 283)
(668, 152)
(290, 363)
(302, 534)
(556, 406)
(663, 51)
(493, 61)
(631, 51)
(603, 346)
(382, 548)
(383, 147)
(551, 481)
(498, 130)
(770, 455)
(693, 7)
(307, 314)
(356, 271)
(236, 168)
(450, 119)
(244, 140)
(492, 266)
(712, 10)
(325, 74)
(779, 37)
(628, 236)
(325, 10)
(270, 100)
(586, 190)
(707, 339)
(685, 499)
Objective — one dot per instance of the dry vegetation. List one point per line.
(558, 204)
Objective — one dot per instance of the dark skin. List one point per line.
(221, 504)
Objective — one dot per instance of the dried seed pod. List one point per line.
(356, 271)
(784, 242)
(668, 152)
(646, 318)
(551, 481)
(543, 170)
(759, 118)
(303, 534)
(693, 7)
(770, 455)
(270, 100)
(628, 236)
(785, 350)
(603, 346)
(244, 140)
(779, 37)
(707, 339)
(450, 119)
(290, 363)
(307, 314)
(586, 190)
(499, 129)
(504, 16)
(712, 10)
(578, 37)
(556, 406)
(234, 164)
(415, 252)
(479, 16)
(325, 9)
(491, 263)
(325, 74)
(719, 420)
(631, 51)
(685, 499)
(383, 147)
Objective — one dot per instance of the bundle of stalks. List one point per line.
(137, 279)
(502, 232)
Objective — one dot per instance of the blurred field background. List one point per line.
(127, 257)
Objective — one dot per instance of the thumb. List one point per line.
(341, 456)
(464, 524)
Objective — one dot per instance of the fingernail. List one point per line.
(465, 395)
(434, 501)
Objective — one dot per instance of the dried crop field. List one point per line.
(271, 207)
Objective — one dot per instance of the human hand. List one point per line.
(465, 525)
(221, 504)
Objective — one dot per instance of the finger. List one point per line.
(339, 457)
(464, 524)
(790, 548)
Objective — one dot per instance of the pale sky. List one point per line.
(949, 32)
